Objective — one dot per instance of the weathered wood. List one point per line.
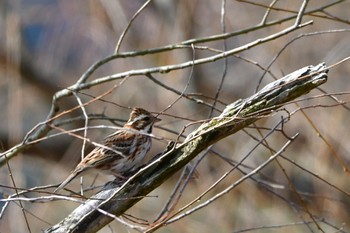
(88, 217)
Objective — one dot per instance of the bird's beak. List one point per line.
(157, 119)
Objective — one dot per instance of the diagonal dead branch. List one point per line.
(118, 199)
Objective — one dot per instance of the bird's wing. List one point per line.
(120, 143)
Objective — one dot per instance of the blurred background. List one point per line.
(46, 46)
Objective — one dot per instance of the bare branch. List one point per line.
(117, 199)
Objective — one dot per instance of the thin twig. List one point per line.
(86, 123)
(229, 188)
(268, 10)
(129, 25)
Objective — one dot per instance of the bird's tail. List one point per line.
(66, 181)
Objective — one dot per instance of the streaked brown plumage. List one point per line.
(128, 146)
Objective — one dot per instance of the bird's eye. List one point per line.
(146, 118)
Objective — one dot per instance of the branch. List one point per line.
(43, 128)
(115, 200)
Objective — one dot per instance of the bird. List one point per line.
(122, 151)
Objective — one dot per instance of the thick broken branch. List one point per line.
(90, 217)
